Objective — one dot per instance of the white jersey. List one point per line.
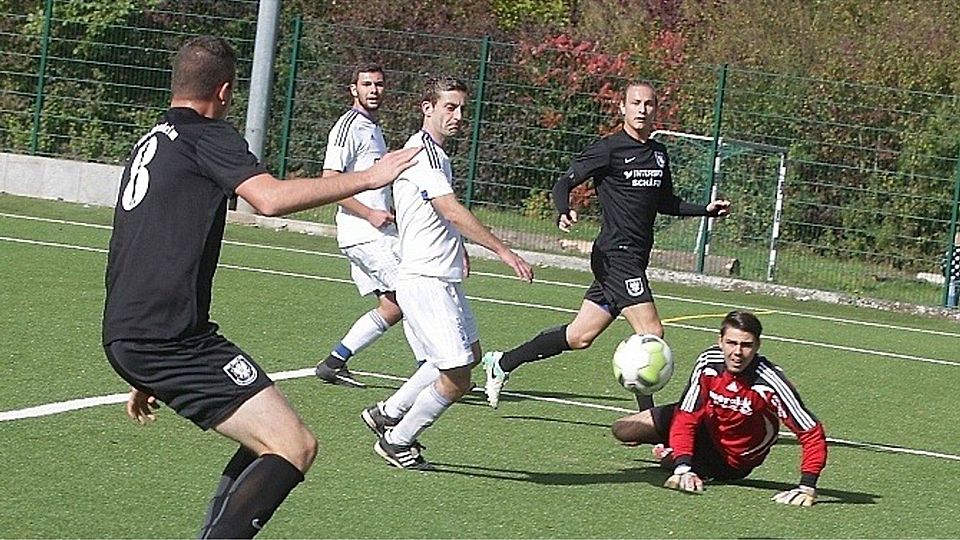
(429, 244)
(355, 143)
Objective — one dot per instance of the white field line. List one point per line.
(539, 281)
(667, 322)
(85, 403)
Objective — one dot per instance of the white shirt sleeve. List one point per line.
(433, 183)
(341, 157)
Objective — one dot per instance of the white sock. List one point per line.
(365, 331)
(429, 405)
(397, 405)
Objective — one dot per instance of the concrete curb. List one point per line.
(655, 274)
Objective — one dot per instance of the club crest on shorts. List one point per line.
(634, 286)
(241, 371)
(661, 159)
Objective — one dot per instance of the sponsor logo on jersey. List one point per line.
(644, 177)
(733, 386)
(661, 159)
(241, 371)
(736, 403)
(634, 286)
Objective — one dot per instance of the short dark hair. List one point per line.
(364, 67)
(640, 82)
(437, 85)
(742, 320)
(201, 66)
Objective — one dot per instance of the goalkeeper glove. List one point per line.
(684, 479)
(798, 496)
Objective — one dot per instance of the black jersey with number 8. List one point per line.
(168, 225)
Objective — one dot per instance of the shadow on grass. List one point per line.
(606, 427)
(622, 401)
(647, 475)
(824, 495)
(652, 475)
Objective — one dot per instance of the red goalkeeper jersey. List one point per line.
(742, 413)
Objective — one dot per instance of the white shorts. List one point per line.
(373, 264)
(437, 321)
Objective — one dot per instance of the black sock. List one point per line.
(550, 342)
(644, 402)
(333, 362)
(238, 463)
(255, 495)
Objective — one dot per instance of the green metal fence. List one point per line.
(836, 186)
(84, 87)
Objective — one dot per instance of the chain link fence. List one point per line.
(836, 186)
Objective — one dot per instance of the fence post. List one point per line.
(291, 93)
(951, 245)
(475, 123)
(41, 75)
(714, 163)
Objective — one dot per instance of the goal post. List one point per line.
(728, 148)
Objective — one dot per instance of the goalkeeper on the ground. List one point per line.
(729, 416)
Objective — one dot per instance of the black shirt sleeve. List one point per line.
(224, 156)
(672, 205)
(591, 163)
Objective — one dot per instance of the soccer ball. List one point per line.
(643, 364)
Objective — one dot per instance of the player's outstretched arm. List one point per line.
(798, 496)
(272, 197)
(468, 225)
(141, 406)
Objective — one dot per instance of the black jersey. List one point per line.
(168, 225)
(633, 182)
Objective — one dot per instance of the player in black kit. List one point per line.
(632, 176)
(167, 230)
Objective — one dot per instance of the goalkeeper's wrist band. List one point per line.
(681, 469)
(809, 479)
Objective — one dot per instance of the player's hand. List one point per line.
(520, 267)
(380, 218)
(389, 167)
(798, 496)
(566, 221)
(141, 406)
(718, 208)
(683, 479)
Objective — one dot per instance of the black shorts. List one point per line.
(707, 461)
(618, 282)
(204, 379)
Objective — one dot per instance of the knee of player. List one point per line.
(392, 315)
(622, 431)
(580, 342)
(463, 388)
(309, 446)
(301, 449)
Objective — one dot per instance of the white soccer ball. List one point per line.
(643, 364)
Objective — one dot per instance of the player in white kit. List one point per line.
(438, 322)
(366, 232)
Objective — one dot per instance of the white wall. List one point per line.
(49, 178)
